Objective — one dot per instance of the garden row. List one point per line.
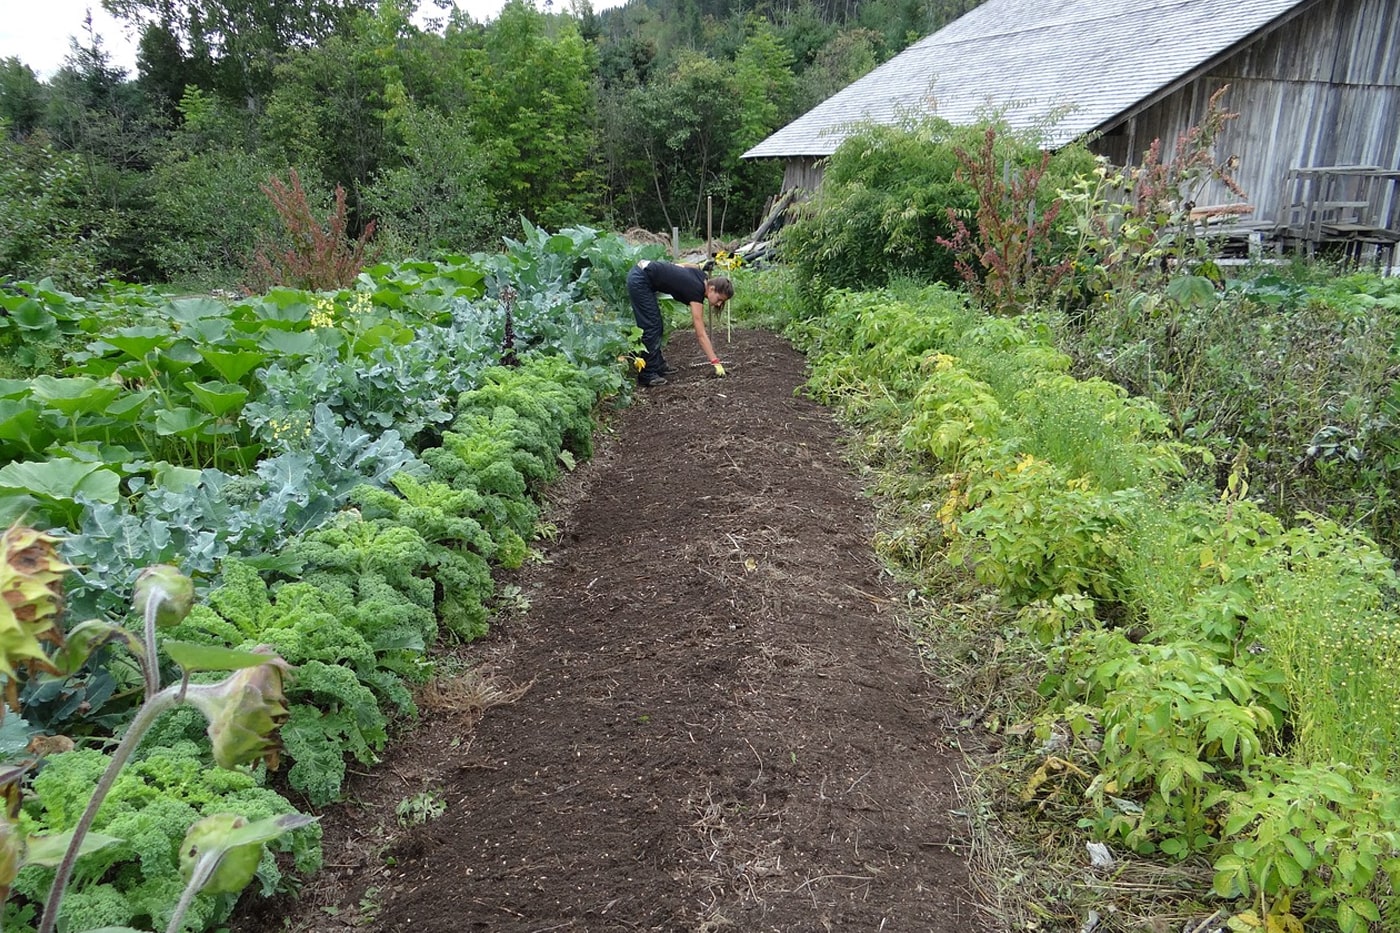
(339, 472)
(1216, 684)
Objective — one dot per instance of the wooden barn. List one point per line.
(1316, 84)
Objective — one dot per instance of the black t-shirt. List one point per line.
(683, 283)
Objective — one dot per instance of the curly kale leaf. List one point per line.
(437, 511)
(314, 741)
(204, 626)
(399, 631)
(241, 597)
(548, 391)
(532, 451)
(332, 712)
(478, 460)
(458, 544)
(390, 686)
(88, 908)
(136, 882)
(351, 546)
(467, 586)
(301, 628)
(367, 627)
(484, 463)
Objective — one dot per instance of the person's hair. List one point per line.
(723, 286)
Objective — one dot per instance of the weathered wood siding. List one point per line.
(1323, 89)
(803, 173)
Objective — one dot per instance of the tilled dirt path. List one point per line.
(724, 727)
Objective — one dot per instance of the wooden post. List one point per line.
(709, 226)
(675, 242)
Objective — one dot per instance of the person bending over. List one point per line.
(686, 283)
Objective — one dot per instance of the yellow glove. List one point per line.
(719, 367)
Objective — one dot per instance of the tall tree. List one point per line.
(21, 97)
(164, 70)
(239, 42)
(326, 114)
(763, 74)
(624, 62)
(207, 207)
(103, 119)
(763, 69)
(533, 104)
(47, 224)
(341, 111)
(681, 134)
(849, 55)
(434, 196)
(804, 32)
(93, 109)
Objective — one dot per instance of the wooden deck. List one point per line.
(1348, 211)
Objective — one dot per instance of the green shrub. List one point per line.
(1035, 533)
(885, 202)
(207, 212)
(1176, 725)
(435, 199)
(1317, 839)
(49, 225)
(1093, 428)
(881, 207)
(1296, 366)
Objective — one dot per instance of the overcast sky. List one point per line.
(37, 32)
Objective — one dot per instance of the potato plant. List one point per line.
(1213, 678)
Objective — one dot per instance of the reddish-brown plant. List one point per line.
(1161, 187)
(1001, 261)
(311, 254)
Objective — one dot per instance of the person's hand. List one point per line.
(719, 367)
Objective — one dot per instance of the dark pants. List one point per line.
(647, 312)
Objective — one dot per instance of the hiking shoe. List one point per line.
(651, 380)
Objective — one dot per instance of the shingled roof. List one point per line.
(1087, 63)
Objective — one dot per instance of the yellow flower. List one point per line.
(322, 312)
(291, 430)
(942, 362)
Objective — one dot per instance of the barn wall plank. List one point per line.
(1322, 90)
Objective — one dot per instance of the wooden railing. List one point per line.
(1356, 207)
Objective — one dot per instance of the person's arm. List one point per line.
(697, 317)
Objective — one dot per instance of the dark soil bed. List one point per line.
(707, 718)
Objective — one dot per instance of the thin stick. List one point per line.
(1200, 928)
(828, 878)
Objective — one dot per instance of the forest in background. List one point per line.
(442, 136)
